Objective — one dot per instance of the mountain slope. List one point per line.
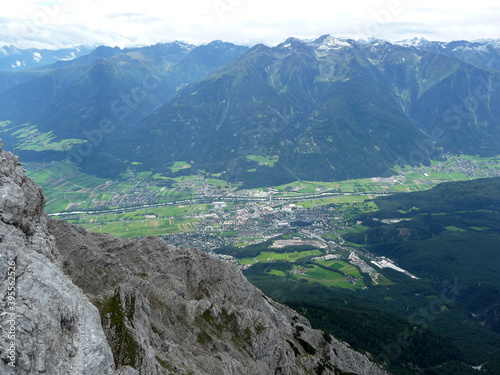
(71, 99)
(55, 326)
(295, 101)
(455, 103)
(349, 109)
(182, 313)
(15, 59)
(452, 232)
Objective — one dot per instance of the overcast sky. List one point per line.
(62, 23)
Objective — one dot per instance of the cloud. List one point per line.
(29, 23)
(48, 3)
(134, 17)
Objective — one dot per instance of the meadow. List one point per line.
(268, 256)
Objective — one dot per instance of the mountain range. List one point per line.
(15, 59)
(349, 108)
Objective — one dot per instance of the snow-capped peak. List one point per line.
(371, 40)
(494, 43)
(18, 64)
(415, 42)
(328, 42)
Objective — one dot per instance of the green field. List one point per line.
(413, 181)
(217, 182)
(346, 268)
(277, 273)
(328, 278)
(454, 228)
(65, 185)
(459, 176)
(29, 138)
(263, 160)
(340, 200)
(335, 273)
(267, 256)
(144, 222)
(178, 165)
(143, 175)
(142, 228)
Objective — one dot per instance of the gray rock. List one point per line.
(57, 329)
(186, 312)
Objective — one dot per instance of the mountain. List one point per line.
(300, 103)
(351, 109)
(455, 103)
(15, 59)
(166, 54)
(84, 91)
(94, 304)
(71, 100)
(484, 53)
(18, 66)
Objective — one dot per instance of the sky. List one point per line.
(66, 23)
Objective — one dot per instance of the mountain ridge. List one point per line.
(351, 108)
(408, 95)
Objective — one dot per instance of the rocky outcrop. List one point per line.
(48, 325)
(162, 310)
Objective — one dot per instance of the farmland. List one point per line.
(267, 256)
(119, 206)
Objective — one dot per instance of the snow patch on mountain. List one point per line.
(17, 64)
(70, 57)
(415, 42)
(37, 57)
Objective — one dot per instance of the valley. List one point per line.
(307, 244)
(205, 212)
(192, 206)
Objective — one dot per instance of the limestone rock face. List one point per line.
(55, 328)
(186, 312)
(155, 309)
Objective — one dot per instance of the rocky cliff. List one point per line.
(93, 304)
(47, 324)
